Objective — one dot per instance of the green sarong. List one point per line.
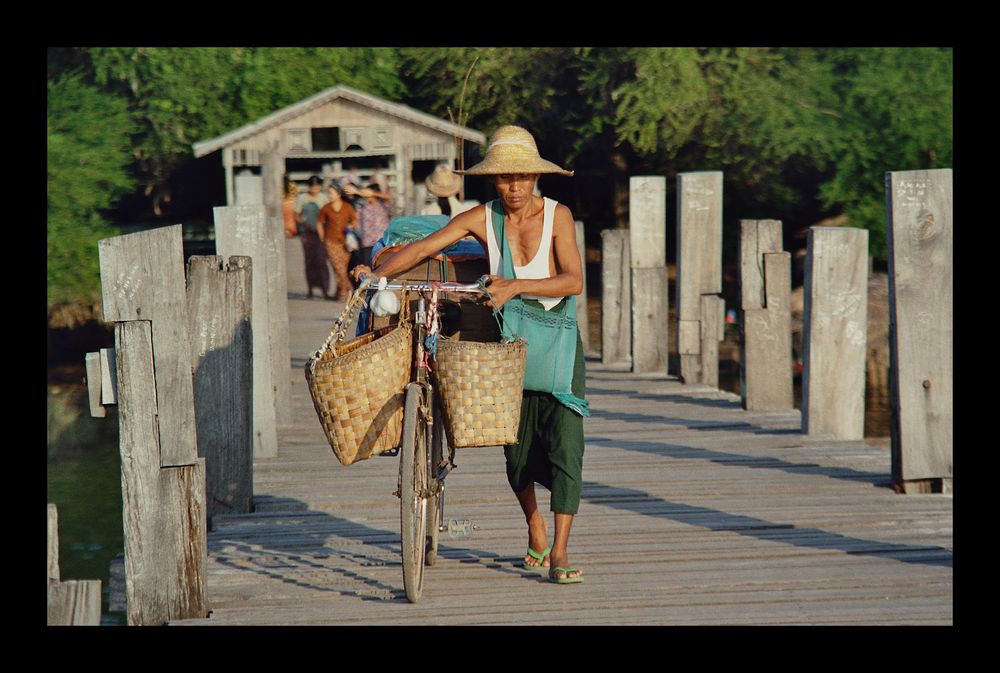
(550, 445)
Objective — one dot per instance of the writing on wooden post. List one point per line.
(920, 240)
(142, 278)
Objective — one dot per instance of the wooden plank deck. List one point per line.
(694, 512)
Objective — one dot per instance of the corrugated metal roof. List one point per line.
(340, 91)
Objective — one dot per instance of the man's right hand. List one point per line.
(358, 271)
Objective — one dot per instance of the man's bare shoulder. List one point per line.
(563, 217)
(473, 220)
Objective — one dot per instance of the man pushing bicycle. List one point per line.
(535, 275)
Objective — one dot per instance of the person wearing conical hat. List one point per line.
(445, 184)
(535, 275)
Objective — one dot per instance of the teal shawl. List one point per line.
(551, 336)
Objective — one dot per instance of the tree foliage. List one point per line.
(179, 96)
(796, 131)
(88, 169)
(895, 114)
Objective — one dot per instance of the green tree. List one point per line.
(89, 155)
(895, 114)
(179, 96)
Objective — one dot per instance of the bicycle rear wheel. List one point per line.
(413, 490)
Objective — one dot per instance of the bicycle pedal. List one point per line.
(461, 527)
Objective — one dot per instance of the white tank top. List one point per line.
(538, 266)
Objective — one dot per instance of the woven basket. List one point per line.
(480, 386)
(357, 389)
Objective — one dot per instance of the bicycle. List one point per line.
(423, 465)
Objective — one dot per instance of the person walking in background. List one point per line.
(445, 185)
(307, 207)
(374, 207)
(334, 219)
(288, 208)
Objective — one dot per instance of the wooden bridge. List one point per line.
(694, 512)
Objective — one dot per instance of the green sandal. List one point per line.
(566, 579)
(535, 555)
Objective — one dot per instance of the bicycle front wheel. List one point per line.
(434, 503)
(413, 492)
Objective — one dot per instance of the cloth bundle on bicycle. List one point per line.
(409, 228)
(357, 386)
(551, 335)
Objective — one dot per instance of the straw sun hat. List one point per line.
(443, 182)
(512, 150)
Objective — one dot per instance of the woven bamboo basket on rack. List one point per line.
(357, 389)
(480, 385)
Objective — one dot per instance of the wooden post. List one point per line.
(648, 261)
(53, 543)
(142, 278)
(582, 314)
(920, 241)
(272, 173)
(73, 602)
(699, 265)
(219, 303)
(765, 344)
(713, 326)
(243, 231)
(616, 298)
(93, 364)
(650, 320)
(166, 550)
(249, 190)
(834, 333)
(277, 302)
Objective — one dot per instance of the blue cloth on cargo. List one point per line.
(409, 228)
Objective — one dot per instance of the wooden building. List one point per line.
(334, 131)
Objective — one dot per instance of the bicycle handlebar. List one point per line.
(478, 287)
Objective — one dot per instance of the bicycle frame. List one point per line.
(423, 465)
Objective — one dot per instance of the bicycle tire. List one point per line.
(413, 502)
(436, 455)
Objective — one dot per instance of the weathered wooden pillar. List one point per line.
(835, 325)
(166, 548)
(249, 190)
(582, 314)
(616, 298)
(272, 173)
(261, 190)
(699, 268)
(73, 602)
(281, 355)
(219, 309)
(142, 278)
(648, 261)
(244, 231)
(766, 318)
(919, 235)
(163, 479)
